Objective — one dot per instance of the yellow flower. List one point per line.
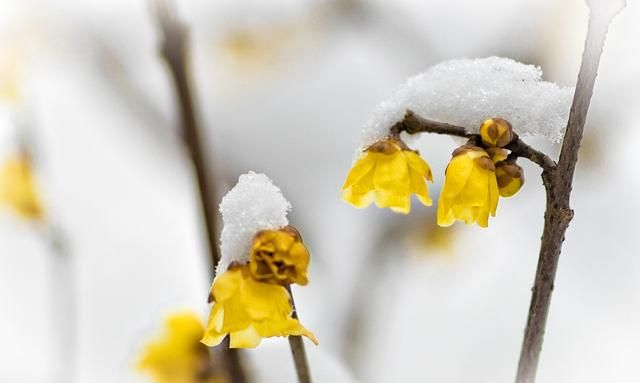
(388, 173)
(280, 257)
(510, 178)
(248, 310)
(18, 188)
(496, 132)
(179, 357)
(470, 190)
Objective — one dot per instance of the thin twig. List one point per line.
(296, 343)
(413, 123)
(174, 48)
(174, 51)
(558, 215)
(64, 300)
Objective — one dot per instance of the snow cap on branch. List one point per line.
(254, 204)
(466, 92)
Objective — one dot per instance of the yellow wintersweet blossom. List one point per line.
(179, 357)
(388, 173)
(279, 257)
(18, 188)
(248, 310)
(470, 190)
(510, 178)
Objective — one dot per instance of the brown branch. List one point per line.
(413, 123)
(558, 215)
(296, 343)
(174, 50)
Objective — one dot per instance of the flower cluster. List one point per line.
(252, 301)
(479, 173)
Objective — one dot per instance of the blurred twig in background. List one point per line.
(174, 47)
(64, 299)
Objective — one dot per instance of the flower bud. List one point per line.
(279, 257)
(496, 132)
(510, 178)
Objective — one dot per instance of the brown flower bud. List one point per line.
(496, 132)
(510, 178)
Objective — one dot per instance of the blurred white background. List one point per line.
(283, 87)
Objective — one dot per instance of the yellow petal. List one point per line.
(456, 175)
(247, 338)
(419, 187)
(400, 203)
(391, 174)
(476, 190)
(445, 215)
(363, 166)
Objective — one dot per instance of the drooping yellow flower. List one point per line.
(510, 178)
(388, 173)
(179, 357)
(248, 310)
(18, 188)
(470, 190)
(496, 132)
(279, 257)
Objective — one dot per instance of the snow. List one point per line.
(254, 204)
(465, 92)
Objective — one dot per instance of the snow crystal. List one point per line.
(466, 92)
(254, 204)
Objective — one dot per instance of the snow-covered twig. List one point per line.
(412, 123)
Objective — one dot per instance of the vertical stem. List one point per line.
(558, 184)
(556, 223)
(174, 50)
(298, 352)
(63, 299)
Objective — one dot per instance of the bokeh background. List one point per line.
(283, 87)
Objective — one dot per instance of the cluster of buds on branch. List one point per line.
(480, 171)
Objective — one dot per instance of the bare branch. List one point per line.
(559, 183)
